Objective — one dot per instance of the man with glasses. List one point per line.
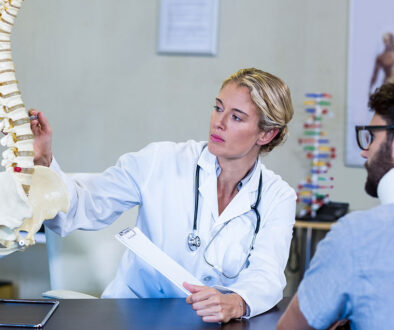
(351, 275)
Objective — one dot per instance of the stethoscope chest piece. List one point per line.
(193, 241)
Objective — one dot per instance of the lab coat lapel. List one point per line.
(245, 198)
(208, 191)
(238, 206)
(208, 181)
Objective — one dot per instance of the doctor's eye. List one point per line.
(236, 118)
(217, 108)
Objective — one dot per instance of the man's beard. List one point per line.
(378, 167)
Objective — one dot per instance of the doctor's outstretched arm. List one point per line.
(96, 200)
(214, 306)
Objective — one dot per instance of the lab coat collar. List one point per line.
(386, 188)
(241, 203)
(207, 161)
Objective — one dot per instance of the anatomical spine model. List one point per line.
(28, 194)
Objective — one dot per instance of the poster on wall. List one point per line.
(370, 64)
(188, 27)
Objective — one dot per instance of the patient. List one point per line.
(351, 275)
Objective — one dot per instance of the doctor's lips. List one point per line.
(216, 138)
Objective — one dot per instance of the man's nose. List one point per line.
(364, 154)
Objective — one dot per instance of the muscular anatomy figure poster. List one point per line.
(370, 63)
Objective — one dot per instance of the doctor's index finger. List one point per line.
(203, 295)
(33, 116)
(193, 287)
(43, 122)
(39, 122)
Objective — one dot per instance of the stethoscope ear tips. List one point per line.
(193, 241)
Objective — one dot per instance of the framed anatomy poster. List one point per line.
(370, 63)
(188, 27)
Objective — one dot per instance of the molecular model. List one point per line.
(312, 191)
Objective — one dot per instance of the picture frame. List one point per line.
(188, 27)
(369, 22)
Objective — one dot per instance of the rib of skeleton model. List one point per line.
(28, 194)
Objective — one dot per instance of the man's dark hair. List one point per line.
(382, 102)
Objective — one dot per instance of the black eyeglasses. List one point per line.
(365, 136)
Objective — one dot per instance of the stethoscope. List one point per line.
(193, 240)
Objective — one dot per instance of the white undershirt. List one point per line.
(386, 188)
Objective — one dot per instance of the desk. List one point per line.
(105, 314)
(309, 226)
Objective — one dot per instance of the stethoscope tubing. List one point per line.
(194, 241)
(196, 198)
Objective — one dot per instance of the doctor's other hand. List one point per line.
(42, 132)
(214, 306)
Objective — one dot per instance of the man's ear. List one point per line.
(267, 137)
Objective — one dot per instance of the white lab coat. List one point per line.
(161, 179)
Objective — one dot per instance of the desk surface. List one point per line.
(313, 224)
(145, 314)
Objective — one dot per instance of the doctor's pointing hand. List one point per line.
(212, 206)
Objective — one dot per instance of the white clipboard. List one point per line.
(137, 242)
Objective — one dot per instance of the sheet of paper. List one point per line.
(137, 242)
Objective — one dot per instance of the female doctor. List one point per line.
(211, 206)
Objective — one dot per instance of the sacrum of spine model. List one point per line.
(28, 194)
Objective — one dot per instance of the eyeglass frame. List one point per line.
(370, 128)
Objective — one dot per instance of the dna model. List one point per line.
(312, 190)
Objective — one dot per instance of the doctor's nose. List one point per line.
(219, 121)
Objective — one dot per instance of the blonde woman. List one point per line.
(211, 206)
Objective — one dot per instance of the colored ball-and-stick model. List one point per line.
(312, 191)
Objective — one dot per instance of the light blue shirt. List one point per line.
(352, 273)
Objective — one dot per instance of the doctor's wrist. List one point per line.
(43, 159)
(239, 307)
(242, 305)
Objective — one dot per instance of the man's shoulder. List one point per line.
(366, 223)
(370, 216)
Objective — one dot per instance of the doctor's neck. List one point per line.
(233, 171)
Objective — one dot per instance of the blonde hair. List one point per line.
(271, 97)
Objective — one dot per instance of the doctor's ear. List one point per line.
(267, 137)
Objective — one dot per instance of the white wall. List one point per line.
(92, 67)
(27, 270)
